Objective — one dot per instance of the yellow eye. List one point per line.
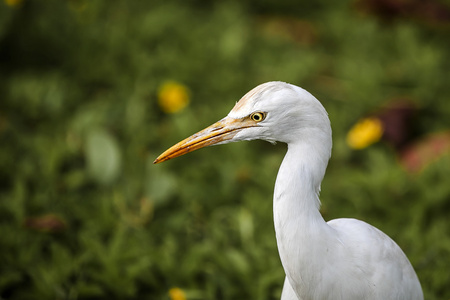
(258, 116)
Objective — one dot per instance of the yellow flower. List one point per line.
(176, 294)
(173, 97)
(13, 2)
(364, 133)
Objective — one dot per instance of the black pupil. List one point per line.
(256, 117)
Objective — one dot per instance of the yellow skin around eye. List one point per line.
(258, 116)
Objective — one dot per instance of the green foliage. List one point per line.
(80, 126)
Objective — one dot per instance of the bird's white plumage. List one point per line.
(344, 258)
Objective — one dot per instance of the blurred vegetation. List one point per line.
(84, 214)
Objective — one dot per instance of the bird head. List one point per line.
(273, 111)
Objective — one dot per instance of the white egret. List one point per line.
(340, 259)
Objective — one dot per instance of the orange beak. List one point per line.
(219, 132)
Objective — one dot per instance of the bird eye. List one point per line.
(258, 116)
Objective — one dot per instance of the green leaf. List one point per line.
(103, 156)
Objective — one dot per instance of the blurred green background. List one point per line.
(92, 91)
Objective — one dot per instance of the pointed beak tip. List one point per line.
(158, 160)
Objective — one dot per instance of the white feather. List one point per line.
(344, 258)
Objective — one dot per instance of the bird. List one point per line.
(340, 259)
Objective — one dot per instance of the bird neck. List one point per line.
(300, 228)
(298, 181)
